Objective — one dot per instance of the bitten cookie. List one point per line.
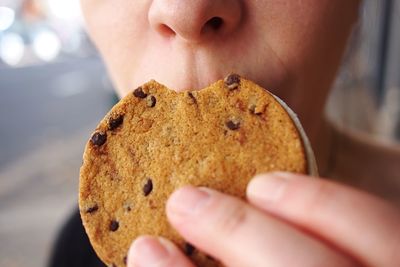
(156, 140)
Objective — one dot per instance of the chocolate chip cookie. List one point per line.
(156, 140)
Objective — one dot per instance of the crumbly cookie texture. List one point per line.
(156, 140)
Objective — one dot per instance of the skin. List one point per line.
(291, 47)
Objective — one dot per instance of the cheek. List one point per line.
(276, 37)
(302, 32)
(116, 27)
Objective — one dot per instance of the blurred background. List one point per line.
(54, 90)
(367, 91)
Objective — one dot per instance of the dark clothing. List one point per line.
(72, 247)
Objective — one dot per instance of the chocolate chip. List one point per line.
(139, 93)
(190, 94)
(98, 138)
(125, 260)
(233, 124)
(151, 101)
(92, 209)
(232, 81)
(148, 187)
(114, 225)
(113, 123)
(189, 249)
(113, 265)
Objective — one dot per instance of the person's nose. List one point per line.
(195, 20)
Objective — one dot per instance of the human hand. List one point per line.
(288, 220)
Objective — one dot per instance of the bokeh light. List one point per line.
(12, 48)
(7, 17)
(46, 45)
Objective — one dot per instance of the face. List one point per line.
(291, 47)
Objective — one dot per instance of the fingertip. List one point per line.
(177, 195)
(148, 251)
(266, 189)
(260, 179)
(187, 201)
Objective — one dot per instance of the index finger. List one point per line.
(240, 235)
(361, 224)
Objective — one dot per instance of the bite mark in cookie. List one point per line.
(156, 140)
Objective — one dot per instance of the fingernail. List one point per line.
(268, 187)
(148, 252)
(188, 200)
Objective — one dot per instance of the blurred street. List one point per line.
(46, 115)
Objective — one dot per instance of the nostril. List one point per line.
(214, 23)
(165, 30)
